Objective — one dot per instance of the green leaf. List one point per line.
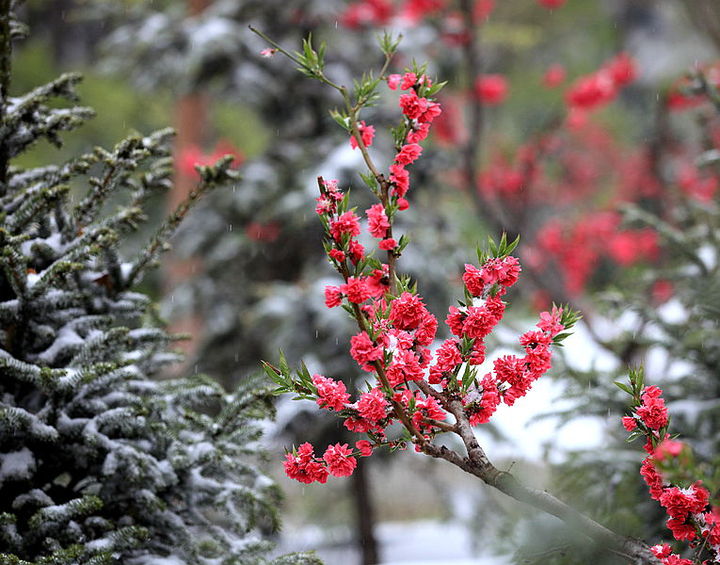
(342, 119)
(389, 44)
(284, 367)
(468, 377)
(403, 243)
(270, 372)
(369, 180)
(623, 387)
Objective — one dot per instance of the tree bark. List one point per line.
(362, 496)
(191, 111)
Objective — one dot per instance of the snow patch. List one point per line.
(16, 465)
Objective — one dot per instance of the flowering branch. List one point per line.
(691, 517)
(413, 386)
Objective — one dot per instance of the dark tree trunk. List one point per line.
(362, 497)
(191, 110)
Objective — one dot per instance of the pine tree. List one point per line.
(99, 463)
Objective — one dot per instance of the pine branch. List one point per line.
(211, 177)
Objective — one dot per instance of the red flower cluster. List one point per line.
(664, 553)
(367, 133)
(395, 348)
(339, 461)
(577, 247)
(491, 90)
(690, 515)
(419, 113)
(397, 330)
(512, 376)
(331, 394)
(554, 76)
(601, 87)
(682, 96)
(652, 411)
(368, 13)
(697, 185)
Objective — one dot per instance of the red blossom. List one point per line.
(400, 178)
(668, 447)
(447, 357)
(356, 290)
(371, 13)
(378, 222)
(550, 321)
(425, 332)
(622, 68)
(407, 311)
(408, 154)
(554, 76)
(652, 478)
(412, 105)
(629, 423)
(364, 351)
(367, 133)
(488, 403)
(339, 459)
(415, 10)
(372, 405)
(303, 467)
(473, 280)
(356, 250)
(652, 412)
(393, 81)
(346, 224)
(387, 244)
(333, 296)
(404, 367)
(418, 133)
(592, 91)
(408, 81)
(337, 254)
(331, 394)
(364, 447)
(491, 90)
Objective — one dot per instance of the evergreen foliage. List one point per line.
(98, 462)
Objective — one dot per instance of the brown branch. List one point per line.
(444, 426)
(473, 63)
(384, 191)
(477, 463)
(472, 152)
(360, 319)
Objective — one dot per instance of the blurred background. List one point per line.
(587, 127)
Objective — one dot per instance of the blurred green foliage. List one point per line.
(131, 111)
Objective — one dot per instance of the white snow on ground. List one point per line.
(426, 542)
(430, 542)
